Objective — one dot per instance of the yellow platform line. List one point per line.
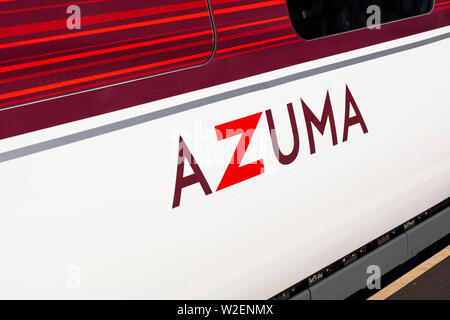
(412, 275)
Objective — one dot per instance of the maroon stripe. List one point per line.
(233, 65)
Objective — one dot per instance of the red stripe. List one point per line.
(245, 25)
(140, 24)
(62, 92)
(101, 44)
(97, 76)
(105, 30)
(102, 51)
(442, 8)
(105, 61)
(255, 44)
(250, 6)
(441, 3)
(258, 31)
(216, 2)
(257, 49)
(47, 7)
(90, 20)
(233, 27)
(141, 54)
(51, 112)
(83, 55)
(129, 70)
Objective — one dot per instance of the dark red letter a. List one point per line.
(348, 122)
(182, 182)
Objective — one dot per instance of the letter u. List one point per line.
(284, 158)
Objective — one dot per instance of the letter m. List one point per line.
(311, 119)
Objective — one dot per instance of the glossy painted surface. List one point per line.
(43, 55)
(87, 204)
(252, 37)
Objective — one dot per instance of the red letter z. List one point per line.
(235, 173)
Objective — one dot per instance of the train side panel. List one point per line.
(88, 207)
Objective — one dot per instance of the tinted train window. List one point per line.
(52, 47)
(319, 18)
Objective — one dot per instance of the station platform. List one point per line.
(430, 280)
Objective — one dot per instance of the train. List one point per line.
(219, 149)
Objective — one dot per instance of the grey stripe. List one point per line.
(54, 143)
